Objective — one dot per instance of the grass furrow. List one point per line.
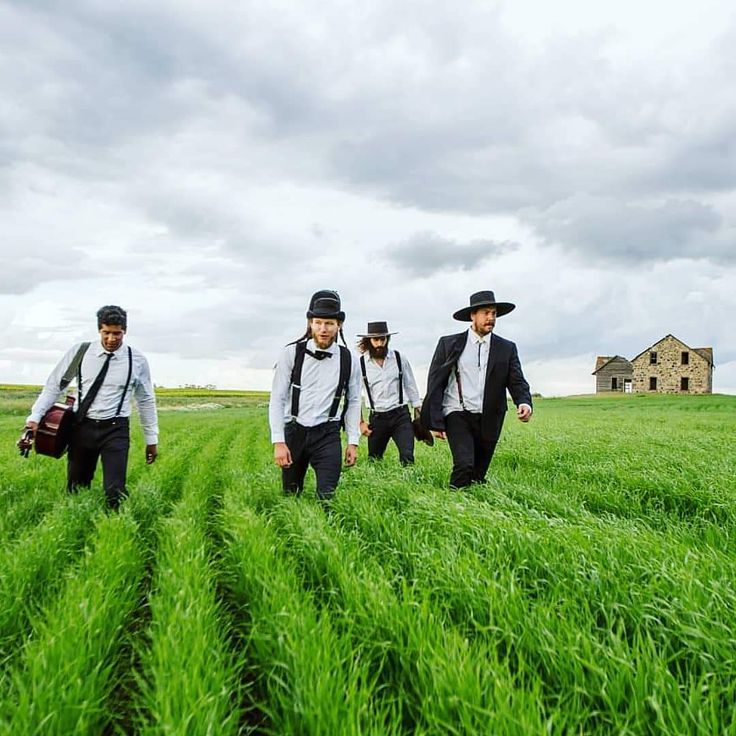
(65, 676)
(31, 569)
(190, 678)
(306, 679)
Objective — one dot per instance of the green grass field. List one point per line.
(588, 588)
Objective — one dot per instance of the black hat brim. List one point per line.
(379, 334)
(464, 314)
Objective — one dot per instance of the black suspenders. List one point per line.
(296, 380)
(368, 388)
(127, 380)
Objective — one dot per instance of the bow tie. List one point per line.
(319, 354)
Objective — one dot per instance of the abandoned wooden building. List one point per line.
(668, 366)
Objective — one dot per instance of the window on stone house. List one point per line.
(653, 358)
(652, 383)
(685, 358)
(614, 383)
(684, 383)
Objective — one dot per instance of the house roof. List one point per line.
(603, 360)
(706, 353)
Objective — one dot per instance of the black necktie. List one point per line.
(320, 354)
(93, 389)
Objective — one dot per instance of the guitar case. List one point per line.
(54, 429)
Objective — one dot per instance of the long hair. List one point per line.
(364, 344)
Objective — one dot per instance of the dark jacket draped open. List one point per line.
(503, 372)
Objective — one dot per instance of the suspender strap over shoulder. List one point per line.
(459, 386)
(342, 384)
(127, 381)
(401, 377)
(296, 377)
(365, 383)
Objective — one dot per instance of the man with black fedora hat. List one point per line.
(315, 391)
(466, 388)
(389, 388)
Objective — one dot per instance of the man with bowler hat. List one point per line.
(389, 388)
(316, 389)
(466, 388)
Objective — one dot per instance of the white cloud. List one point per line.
(210, 166)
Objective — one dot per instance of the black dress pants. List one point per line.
(392, 425)
(92, 439)
(471, 453)
(319, 447)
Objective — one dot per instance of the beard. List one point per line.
(379, 352)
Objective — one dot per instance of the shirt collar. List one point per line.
(477, 339)
(101, 352)
(312, 346)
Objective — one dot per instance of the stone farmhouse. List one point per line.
(669, 366)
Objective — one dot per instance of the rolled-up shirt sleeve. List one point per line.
(50, 392)
(145, 398)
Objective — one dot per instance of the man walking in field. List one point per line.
(316, 389)
(389, 388)
(466, 388)
(108, 373)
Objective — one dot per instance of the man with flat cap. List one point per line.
(389, 388)
(316, 390)
(466, 388)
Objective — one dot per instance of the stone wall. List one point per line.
(669, 369)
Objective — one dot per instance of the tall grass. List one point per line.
(587, 587)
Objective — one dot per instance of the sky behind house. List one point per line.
(209, 165)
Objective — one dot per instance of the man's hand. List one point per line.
(351, 455)
(524, 412)
(33, 426)
(151, 454)
(365, 428)
(281, 454)
(440, 435)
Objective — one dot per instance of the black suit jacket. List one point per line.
(503, 372)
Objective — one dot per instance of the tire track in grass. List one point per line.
(190, 679)
(305, 678)
(430, 677)
(66, 672)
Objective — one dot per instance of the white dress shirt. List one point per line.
(471, 365)
(105, 404)
(384, 382)
(318, 385)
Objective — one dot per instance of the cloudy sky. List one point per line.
(208, 165)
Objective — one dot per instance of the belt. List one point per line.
(104, 422)
(396, 410)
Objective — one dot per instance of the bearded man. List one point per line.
(315, 390)
(466, 388)
(389, 389)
